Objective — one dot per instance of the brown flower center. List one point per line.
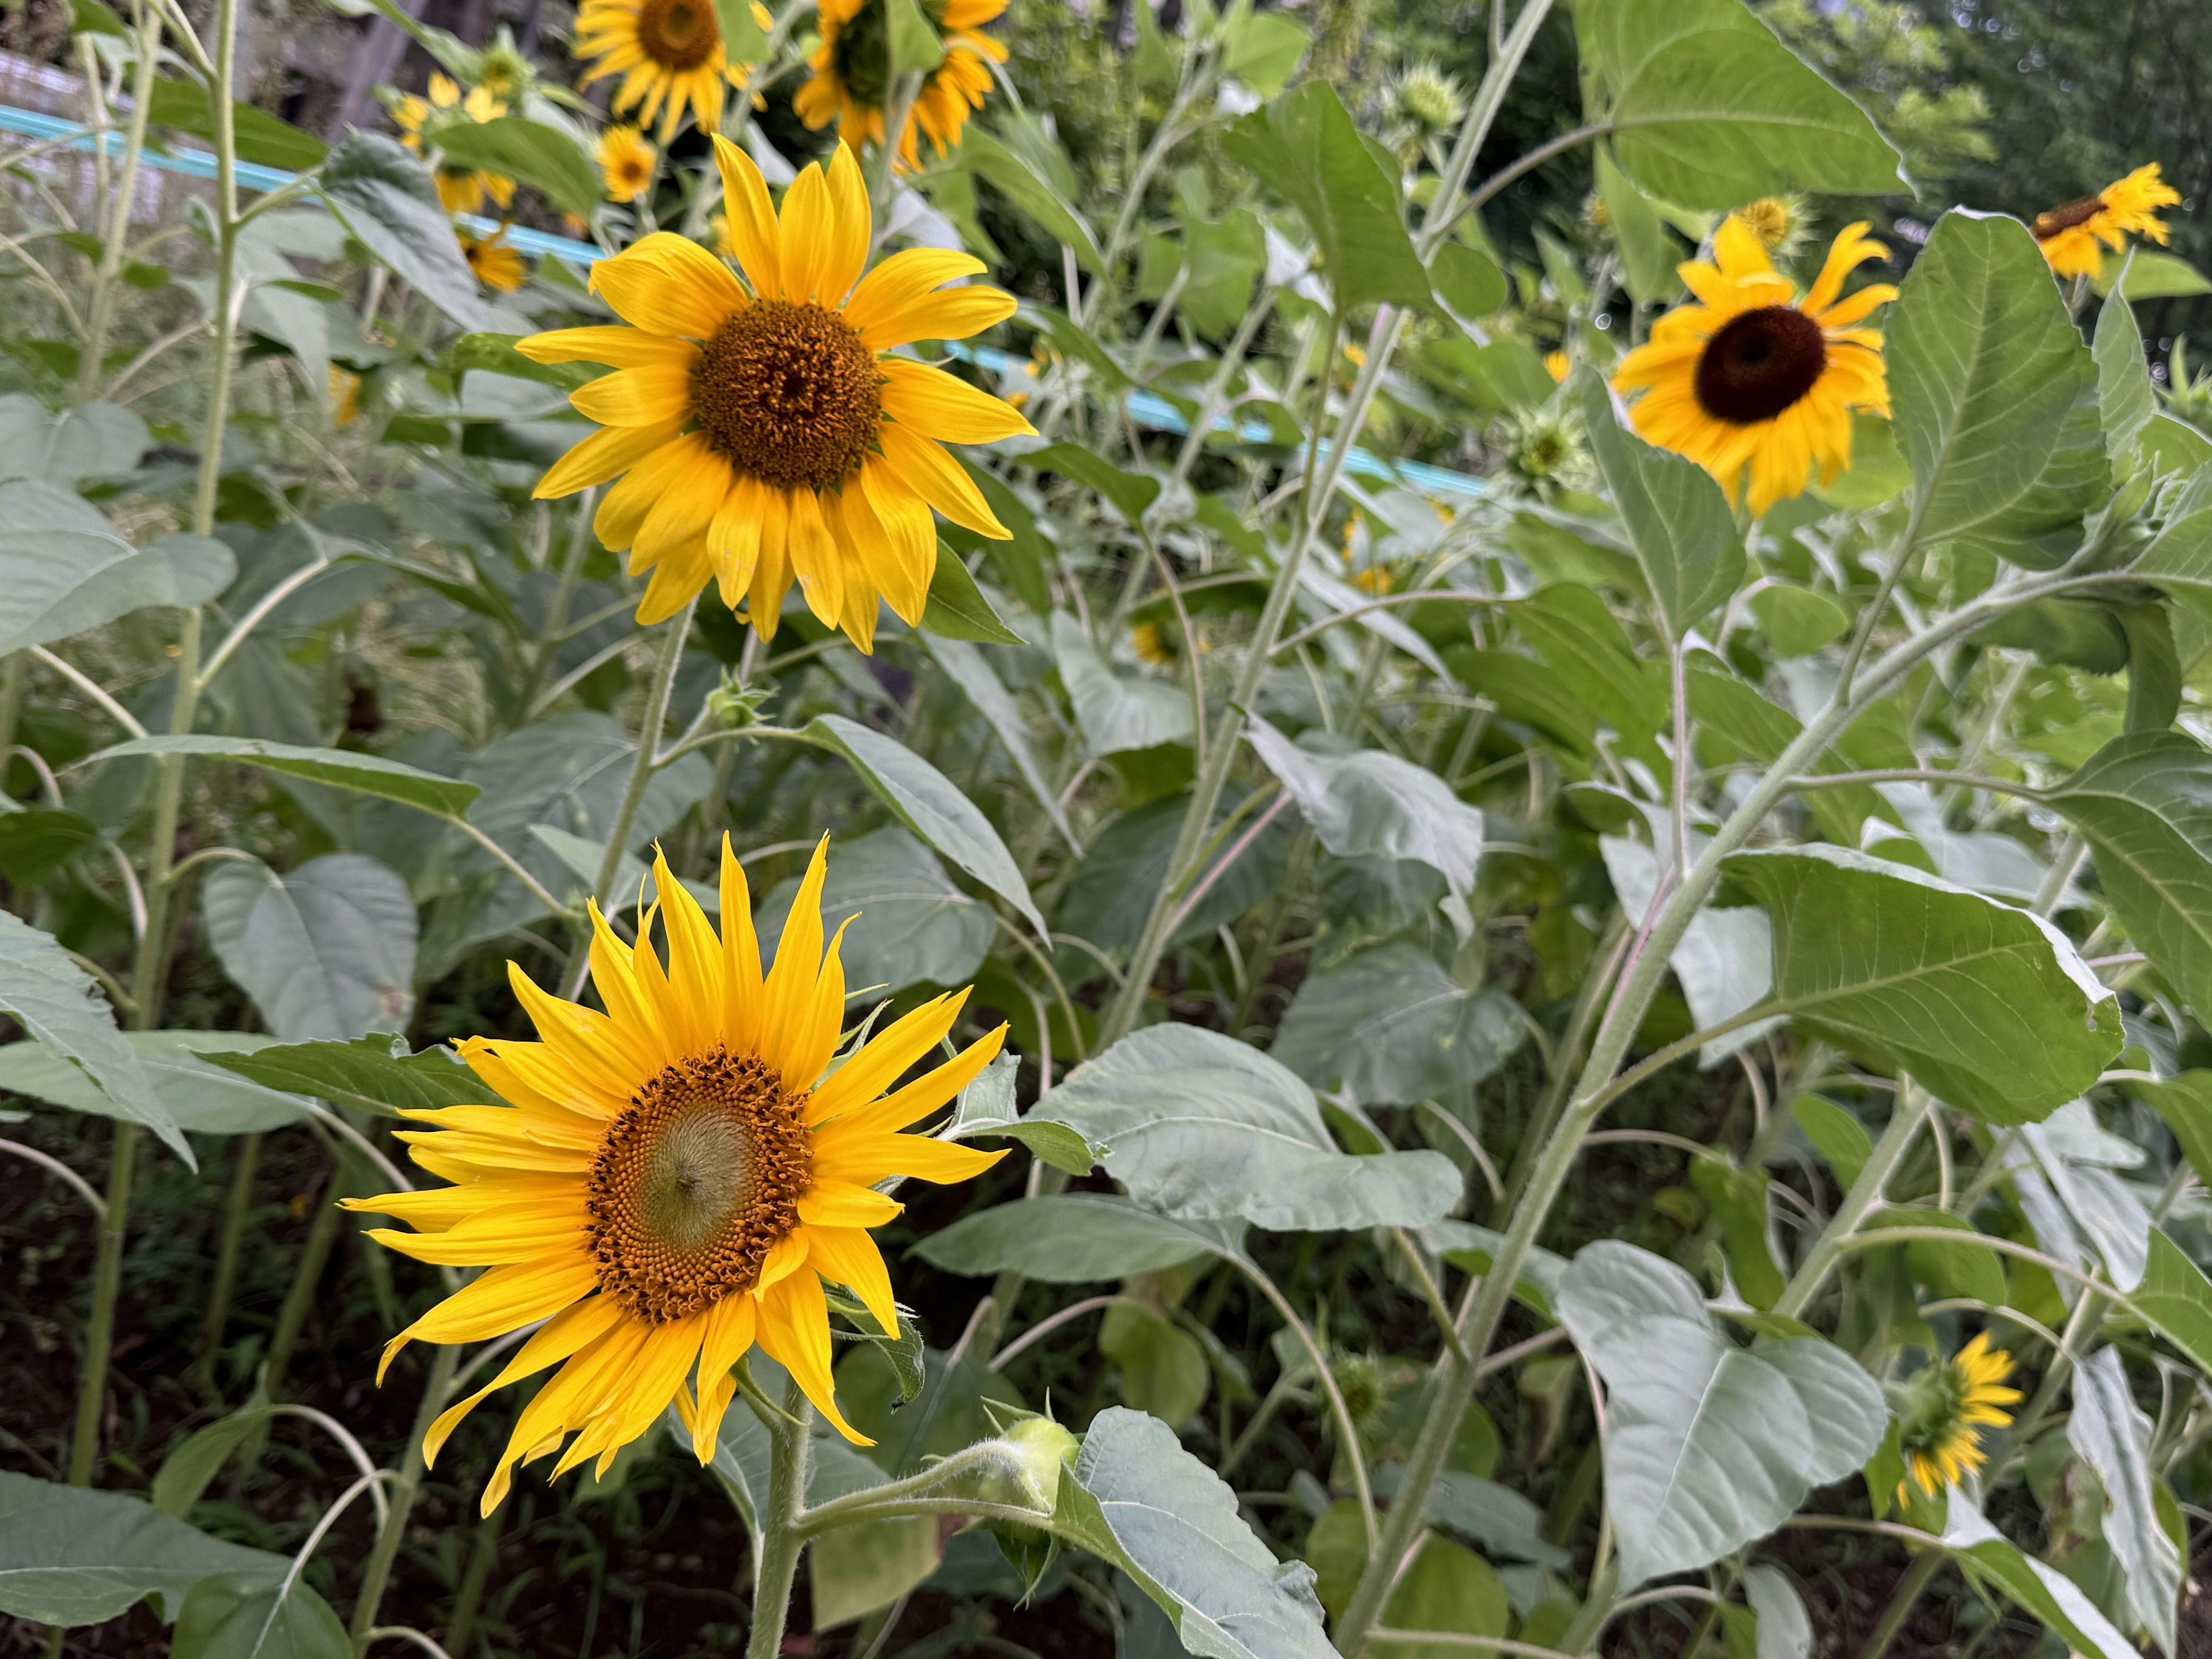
(2048, 225)
(678, 35)
(787, 393)
(1759, 363)
(693, 1183)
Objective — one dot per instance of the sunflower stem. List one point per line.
(405, 1486)
(781, 1539)
(1863, 1199)
(1900, 1605)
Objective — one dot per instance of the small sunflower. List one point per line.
(769, 434)
(460, 190)
(669, 54)
(1943, 1407)
(505, 71)
(626, 162)
(2070, 236)
(669, 1183)
(851, 79)
(1150, 645)
(496, 266)
(1751, 378)
(1780, 223)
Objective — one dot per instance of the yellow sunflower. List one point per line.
(851, 79)
(496, 266)
(626, 162)
(768, 435)
(460, 190)
(1944, 1407)
(669, 54)
(669, 1183)
(1750, 377)
(2070, 236)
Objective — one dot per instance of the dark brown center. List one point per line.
(2048, 225)
(1760, 363)
(787, 393)
(695, 1182)
(678, 35)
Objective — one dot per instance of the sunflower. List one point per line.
(1150, 646)
(1780, 223)
(496, 266)
(625, 161)
(669, 54)
(669, 1183)
(345, 396)
(460, 190)
(770, 434)
(851, 79)
(2070, 236)
(1942, 1408)
(1749, 376)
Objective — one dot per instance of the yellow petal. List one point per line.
(830, 1203)
(808, 224)
(502, 1300)
(851, 228)
(921, 1096)
(730, 1325)
(953, 314)
(884, 1059)
(651, 396)
(604, 455)
(788, 993)
(750, 218)
(943, 406)
(908, 561)
(574, 1327)
(935, 475)
(794, 1330)
(669, 285)
(606, 342)
(902, 280)
(849, 1256)
(741, 962)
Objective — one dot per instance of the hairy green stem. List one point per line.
(780, 1537)
(1905, 1118)
(649, 745)
(406, 1483)
(99, 1328)
(99, 309)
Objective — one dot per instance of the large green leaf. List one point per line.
(2143, 802)
(1678, 521)
(928, 803)
(1648, 253)
(64, 570)
(386, 197)
(72, 1556)
(63, 450)
(1390, 1027)
(260, 136)
(2049, 1595)
(202, 1096)
(56, 1001)
(972, 672)
(1073, 1238)
(376, 1073)
(1988, 1007)
(914, 927)
(2126, 399)
(956, 608)
(341, 769)
(983, 154)
(1197, 1125)
(1117, 712)
(2113, 1434)
(2178, 559)
(1994, 394)
(1304, 148)
(527, 150)
(986, 1110)
(1710, 110)
(1138, 1498)
(230, 1616)
(2176, 1298)
(326, 951)
(1708, 1446)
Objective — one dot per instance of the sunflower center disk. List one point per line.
(678, 35)
(1760, 364)
(787, 393)
(2048, 225)
(693, 1183)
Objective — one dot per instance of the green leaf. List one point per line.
(96, 440)
(1447, 1588)
(1678, 521)
(1966, 1268)
(1738, 1200)
(1466, 280)
(1649, 253)
(915, 926)
(972, 672)
(2143, 802)
(1994, 395)
(1263, 50)
(341, 769)
(986, 1108)
(957, 610)
(1164, 1370)
(376, 1073)
(1138, 1498)
(1708, 1446)
(743, 41)
(327, 950)
(2185, 1103)
(386, 197)
(1784, 1630)
(1390, 1028)
(36, 841)
(1986, 1556)
(1154, 61)
(57, 1004)
(914, 47)
(228, 1616)
(1130, 492)
(1506, 1524)
(73, 1556)
(202, 1096)
(2175, 1297)
(1304, 148)
(1836, 1135)
(2178, 559)
(64, 570)
(1798, 620)
(926, 801)
(2150, 274)
(1472, 1249)
(2126, 399)
(1712, 111)
(2113, 1436)
(260, 136)
(1117, 712)
(1988, 1007)
(186, 1472)
(529, 151)
(1073, 1238)
(1196, 1124)
(2154, 667)
(984, 155)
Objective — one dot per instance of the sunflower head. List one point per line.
(1941, 1410)
(1150, 645)
(670, 55)
(670, 1183)
(422, 121)
(851, 79)
(2074, 236)
(1427, 99)
(765, 432)
(496, 266)
(1754, 382)
(626, 162)
(1545, 449)
(1780, 223)
(503, 72)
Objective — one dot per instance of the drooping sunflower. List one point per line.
(768, 435)
(496, 266)
(1749, 377)
(626, 162)
(670, 55)
(669, 1183)
(460, 190)
(851, 79)
(2074, 237)
(1942, 1410)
